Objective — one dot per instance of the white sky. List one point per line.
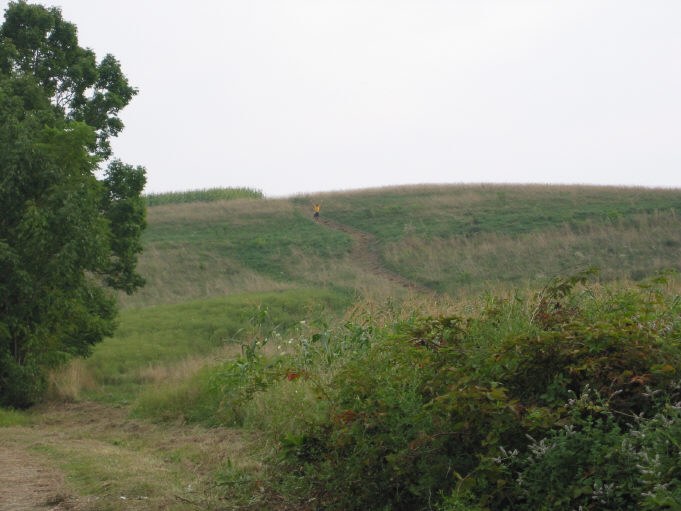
(292, 96)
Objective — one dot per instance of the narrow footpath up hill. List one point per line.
(364, 252)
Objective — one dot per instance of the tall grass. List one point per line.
(631, 248)
(205, 195)
(69, 383)
(166, 335)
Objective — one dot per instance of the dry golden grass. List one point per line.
(67, 383)
(160, 374)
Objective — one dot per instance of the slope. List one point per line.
(452, 239)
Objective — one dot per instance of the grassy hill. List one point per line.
(452, 239)
(275, 362)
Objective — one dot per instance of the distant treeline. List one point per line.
(205, 195)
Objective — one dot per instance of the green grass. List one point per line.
(261, 242)
(223, 273)
(192, 399)
(206, 195)
(12, 418)
(446, 211)
(459, 240)
(467, 239)
(166, 334)
(197, 251)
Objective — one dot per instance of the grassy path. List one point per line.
(91, 457)
(365, 253)
(27, 481)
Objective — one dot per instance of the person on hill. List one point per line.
(316, 209)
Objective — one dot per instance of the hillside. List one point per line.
(453, 239)
(275, 362)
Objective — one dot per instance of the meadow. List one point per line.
(292, 372)
(456, 240)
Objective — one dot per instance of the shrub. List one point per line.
(585, 464)
(552, 403)
(657, 444)
(22, 384)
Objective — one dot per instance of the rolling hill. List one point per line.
(449, 239)
(276, 362)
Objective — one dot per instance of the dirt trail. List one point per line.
(28, 482)
(364, 251)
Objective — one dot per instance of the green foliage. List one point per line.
(207, 195)
(37, 44)
(63, 233)
(586, 463)
(125, 212)
(23, 383)
(656, 443)
(237, 381)
(554, 403)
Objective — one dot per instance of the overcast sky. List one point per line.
(292, 96)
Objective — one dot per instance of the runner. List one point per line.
(316, 209)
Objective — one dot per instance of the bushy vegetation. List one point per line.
(205, 195)
(568, 399)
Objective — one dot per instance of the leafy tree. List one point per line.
(66, 237)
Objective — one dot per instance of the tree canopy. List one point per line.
(67, 237)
